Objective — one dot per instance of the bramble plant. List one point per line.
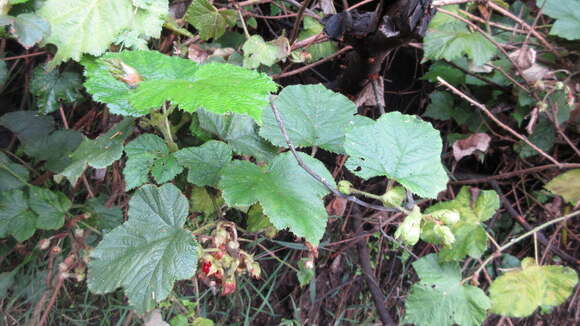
(202, 146)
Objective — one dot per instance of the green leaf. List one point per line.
(210, 22)
(240, 132)
(470, 236)
(149, 252)
(543, 136)
(566, 185)
(149, 153)
(30, 29)
(150, 65)
(205, 163)
(305, 274)
(448, 38)
(441, 69)
(12, 175)
(90, 26)
(215, 87)
(567, 24)
(290, 197)
(53, 87)
(319, 50)
(257, 221)
(102, 217)
(203, 201)
(442, 106)
(518, 293)
(400, 147)
(440, 299)
(24, 211)
(98, 153)
(40, 140)
(257, 51)
(320, 118)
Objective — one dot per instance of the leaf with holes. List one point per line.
(149, 252)
(401, 147)
(440, 298)
(320, 118)
(289, 196)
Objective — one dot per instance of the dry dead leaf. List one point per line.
(466, 147)
(337, 206)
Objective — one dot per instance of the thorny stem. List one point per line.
(518, 239)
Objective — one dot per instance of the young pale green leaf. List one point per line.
(320, 118)
(210, 22)
(149, 153)
(566, 185)
(53, 87)
(215, 87)
(518, 293)
(240, 132)
(289, 196)
(567, 24)
(24, 211)
(401, 147)
(439, 298)
(149, 252)
(89, 26)
(206, 162)
(98, 153)
(12, 175)
(449, 39)
(257, 51)
(470, 236)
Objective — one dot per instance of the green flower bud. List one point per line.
(410, 230)
(344, 187)
(394, 197)
(444, 232)
(447, 216)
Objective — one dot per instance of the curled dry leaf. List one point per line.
(337, 206)
(467, 146)
(525, 60)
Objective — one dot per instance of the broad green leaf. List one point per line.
(566, 185)
(442, 69)
(439, 298)
(448, 38)
(150, 65)
(203, 201)
(400, 147)
(98, 153)
(40, 140)
(149, 252)
(257, 51)
(24, 211)
(90, 26)
(567, 24)
(518, 293)
(320, 118)
(289, 196)
(258, 222)
(12, 175)
(240, 132)
(53, 87)
(470, 236)
(441, 107)
(215, 87)
(149, 153)
(205, 163)
(210, 22)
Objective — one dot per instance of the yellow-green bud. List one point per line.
(394, 197)
(344, 187)
(447, 216)
(410, 230)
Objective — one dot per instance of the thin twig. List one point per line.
(312, 65)
(441, 3)
(298, 21)
(497, 121)
(314, 174)
(485, 179)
